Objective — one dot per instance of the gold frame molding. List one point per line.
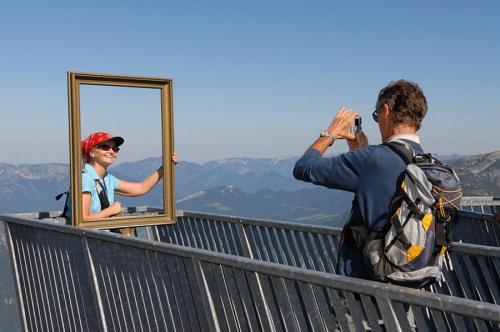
(165, 85)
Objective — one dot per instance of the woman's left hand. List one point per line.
(174, 158)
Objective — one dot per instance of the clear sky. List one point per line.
(251, 78)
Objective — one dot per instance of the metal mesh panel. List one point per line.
(204, 233)
(54, 281)
(296, 304)
(143, 292)
(469, 273)
(141, 285)
(475, 228)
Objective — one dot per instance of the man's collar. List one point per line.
(409, 137)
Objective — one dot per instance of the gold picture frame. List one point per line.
(75, 80)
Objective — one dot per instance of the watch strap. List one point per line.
(327, 134)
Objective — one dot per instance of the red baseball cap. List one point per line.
(89, 142)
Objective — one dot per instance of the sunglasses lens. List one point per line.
(375, 116)
(106, 147)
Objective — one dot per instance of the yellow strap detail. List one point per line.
(426, 221)
(413, 252)
(441, 206)
(451, 202)
(443, 251)
(437, 189)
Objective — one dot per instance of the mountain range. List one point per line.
(251, 187)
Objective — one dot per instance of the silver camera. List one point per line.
(356, 127)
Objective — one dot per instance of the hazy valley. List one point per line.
(252, 187)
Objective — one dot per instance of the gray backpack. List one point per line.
(409, 249)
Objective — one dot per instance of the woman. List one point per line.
(98, 186)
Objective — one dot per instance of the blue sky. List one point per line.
(251, 78)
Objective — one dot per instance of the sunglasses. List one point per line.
(106, 147)
(375, 115)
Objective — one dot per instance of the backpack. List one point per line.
(409, 249)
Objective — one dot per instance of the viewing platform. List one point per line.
(223, 273)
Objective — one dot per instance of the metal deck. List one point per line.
(70, 279)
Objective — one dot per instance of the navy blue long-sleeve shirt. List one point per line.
(371, 173)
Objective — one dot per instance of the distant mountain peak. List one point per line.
(485, 161)
(243, 161)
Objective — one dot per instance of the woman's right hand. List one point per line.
(115, 208)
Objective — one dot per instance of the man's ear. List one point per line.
(386, 111)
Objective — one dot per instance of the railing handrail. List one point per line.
(480, 200)
(476, 215)
(475, 249)
(235, 219)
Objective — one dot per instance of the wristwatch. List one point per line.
(327, 134)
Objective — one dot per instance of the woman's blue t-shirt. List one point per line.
(89, 175)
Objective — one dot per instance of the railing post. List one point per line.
(95, 285)
(247, 251)
(208, 304)
(15, 270)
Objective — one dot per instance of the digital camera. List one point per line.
(356, 127)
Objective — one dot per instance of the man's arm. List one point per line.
(339, 128)
(341, 172)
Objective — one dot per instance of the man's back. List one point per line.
(372, 174)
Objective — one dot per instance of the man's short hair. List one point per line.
(406, 101)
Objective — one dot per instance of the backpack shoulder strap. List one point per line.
(402, 149)
(102, 193)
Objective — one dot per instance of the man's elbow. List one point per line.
(296, 173)
(299, 173)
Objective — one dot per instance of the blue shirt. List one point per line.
(371, 174)
(109, 182)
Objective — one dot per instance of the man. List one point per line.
(371, 172)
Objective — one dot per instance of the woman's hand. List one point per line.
(115, 208)
(128, 188)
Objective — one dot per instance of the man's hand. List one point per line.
(340, 128)
(359, 142)
(341, 125)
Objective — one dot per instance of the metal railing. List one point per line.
(470, 271)
(469, 227)
(476, 228)
(488, 205)
(70, 279)
(306, 246)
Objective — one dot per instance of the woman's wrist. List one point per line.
(160, 172)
